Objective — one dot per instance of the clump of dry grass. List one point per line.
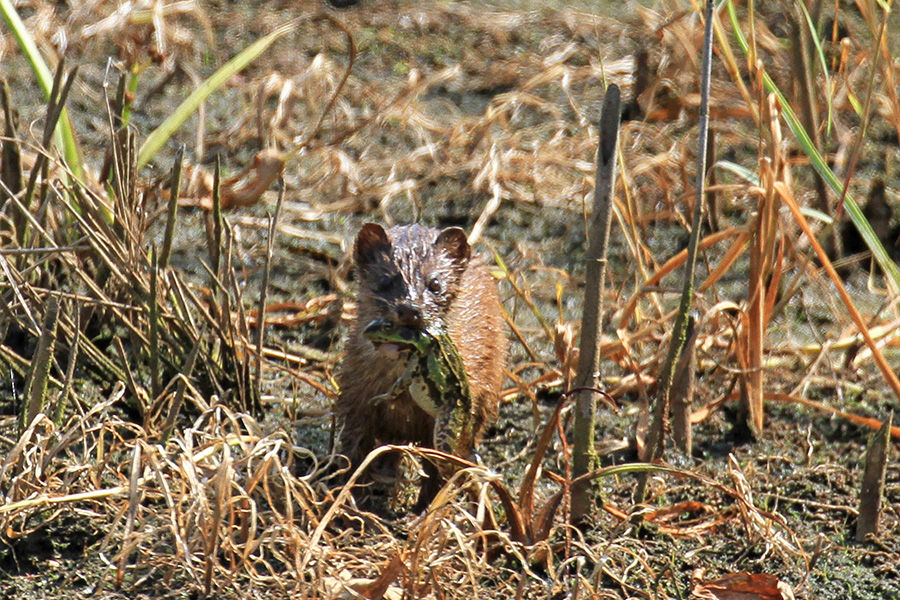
(157, 427)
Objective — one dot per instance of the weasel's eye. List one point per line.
(384, 283)
(434, 285)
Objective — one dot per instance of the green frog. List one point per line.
(436, 379)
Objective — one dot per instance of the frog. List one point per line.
(436, 379)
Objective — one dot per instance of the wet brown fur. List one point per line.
(394, 268)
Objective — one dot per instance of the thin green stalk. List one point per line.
(11, 159)
(154, 325)
(174, 190)
(216, 257)
(53, 112)
(264, 291)
(180, 389)
(63, 399)
(820, 55)
(64, 136)
(679, 330)
(39, 378)
(133, 80)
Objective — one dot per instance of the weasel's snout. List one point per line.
(410, 316)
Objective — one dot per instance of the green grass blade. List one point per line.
(739, 170)
(751, 178)
(818, 162)
(64, 136)
(855, 103)
(820, 54)
(161, 134)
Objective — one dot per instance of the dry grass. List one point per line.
(180, 458)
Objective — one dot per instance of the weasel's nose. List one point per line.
(409, 316)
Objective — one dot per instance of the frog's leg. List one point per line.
(453, 421)
(453, 435)
(453, 429)
(444, 434)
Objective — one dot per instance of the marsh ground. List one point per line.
(450, 105)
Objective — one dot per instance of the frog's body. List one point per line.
(425, 284)
(436, 380)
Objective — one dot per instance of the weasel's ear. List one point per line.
(452, 242)
(371, 244)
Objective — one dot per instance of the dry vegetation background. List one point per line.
(155, 443)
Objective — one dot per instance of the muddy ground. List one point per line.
(449, 104)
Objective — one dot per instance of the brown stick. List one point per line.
(583, 457)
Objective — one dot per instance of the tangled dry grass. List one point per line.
(176, 448)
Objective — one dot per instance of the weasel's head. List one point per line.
(411, 274)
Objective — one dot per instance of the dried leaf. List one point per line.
(744, 586)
